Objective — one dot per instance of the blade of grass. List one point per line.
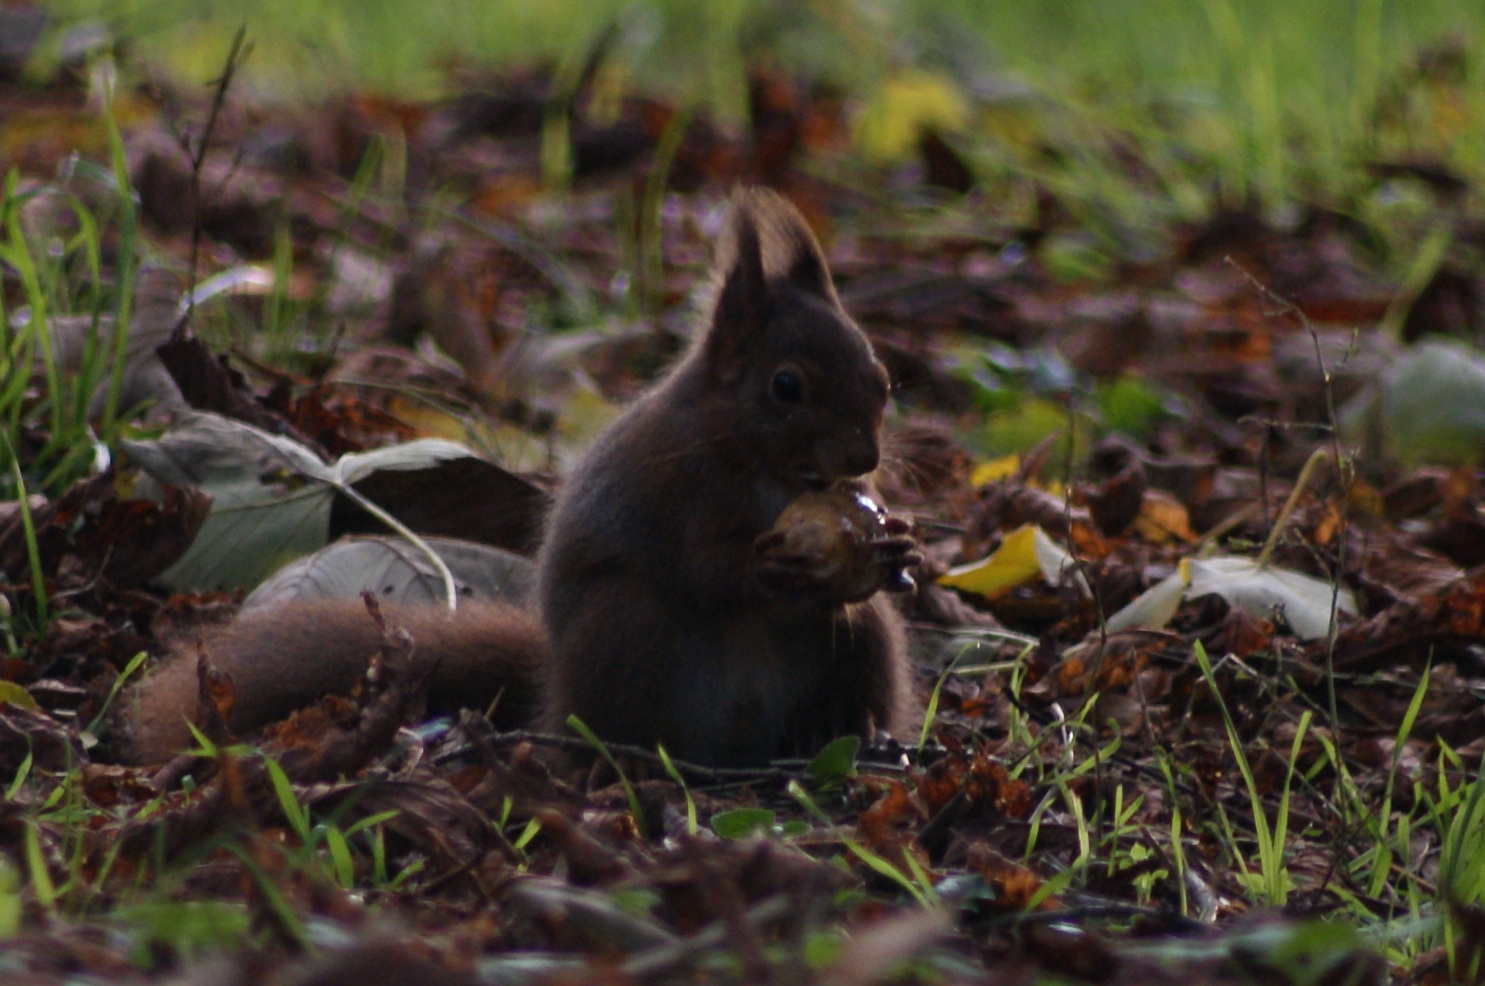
(28, 529)
(41, 878)
(1269, 859)
(680, 781)
(581, 728)
(135, 663)
(923, 893)
(17, 253)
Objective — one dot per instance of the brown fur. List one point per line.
(658, 627)
(286, 657)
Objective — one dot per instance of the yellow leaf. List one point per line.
(430, 420)
(1013, 563)
(13, 694)
(1001, 468)
(907, 103)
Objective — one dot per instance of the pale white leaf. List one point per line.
(397, 571)
(1056, 563)
(422, 453)
(1262, 591)
(1152, 608)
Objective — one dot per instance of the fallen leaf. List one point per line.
(1023, 554)
(1155, 606)
(271, 496)
(1002, 468)
(396, 571)
(1258, 590)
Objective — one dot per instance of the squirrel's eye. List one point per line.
(787, 387)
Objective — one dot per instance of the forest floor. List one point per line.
(1200, 628)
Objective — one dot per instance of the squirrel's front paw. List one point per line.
(839, 544)
(895, 554)
(784, 565)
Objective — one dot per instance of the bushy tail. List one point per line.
(284, 657)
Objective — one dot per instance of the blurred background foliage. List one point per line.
(1284, 93)
(1101, 140)
(1136, 116)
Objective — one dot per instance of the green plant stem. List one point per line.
(28, 528)
(1316, 457)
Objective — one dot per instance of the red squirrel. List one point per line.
(664, 613)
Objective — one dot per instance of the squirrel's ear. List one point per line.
(793, 254)
(742, 296)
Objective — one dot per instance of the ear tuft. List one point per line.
(765, 246)
(741, 305)
(790, 251)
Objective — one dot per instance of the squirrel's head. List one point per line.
(781, 357)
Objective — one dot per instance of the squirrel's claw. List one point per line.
(895, 555)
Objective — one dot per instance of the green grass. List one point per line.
(384, 46)
(1139, 115)
(52, 241)
(1241, 78)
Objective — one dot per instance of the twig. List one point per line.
(578, 744)
(716, 775)
(236, 55)
(1344, 476)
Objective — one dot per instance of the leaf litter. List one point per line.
(1105, 470)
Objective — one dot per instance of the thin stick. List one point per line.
(236, 55)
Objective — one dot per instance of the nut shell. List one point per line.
(836, 532)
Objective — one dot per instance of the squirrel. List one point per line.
(665, 612)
